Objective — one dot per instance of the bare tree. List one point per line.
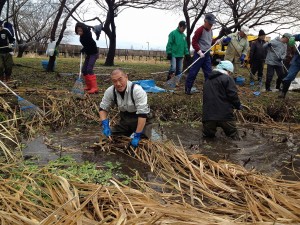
(2, 3)
(112, 9)
(63, 4)
(253, 13)
(32, 22)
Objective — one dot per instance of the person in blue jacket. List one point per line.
(293, 70)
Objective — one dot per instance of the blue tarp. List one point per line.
(149, 86)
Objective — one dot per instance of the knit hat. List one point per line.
(245, 29)
(226, 65)
(287, 35)
(261, 33)
(210, 18)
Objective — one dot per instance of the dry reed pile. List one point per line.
(193, 189)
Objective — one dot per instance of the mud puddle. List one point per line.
(273, 152)
(79, 143)
(269, 151)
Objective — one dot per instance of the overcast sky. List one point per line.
(136, 28)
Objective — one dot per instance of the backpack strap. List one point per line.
(131, 94)
(132, 99)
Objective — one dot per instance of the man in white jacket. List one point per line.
(132, 103)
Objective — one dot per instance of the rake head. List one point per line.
(78, 89)
(170, 84)
(28, 109)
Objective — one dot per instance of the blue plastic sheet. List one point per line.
(149, 86)
(45, 64)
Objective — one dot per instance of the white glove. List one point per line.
(10, 45)
(200, 53)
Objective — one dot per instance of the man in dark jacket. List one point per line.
(91, 55)
(6, 60)
(257, 57)
(219, 99)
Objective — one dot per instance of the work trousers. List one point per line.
(270, 73)
(229, 128)
(176, 65)
(6, 64)
(292, 73)
(89, 63)
(204, 63)
(128, 124)
(257, 67)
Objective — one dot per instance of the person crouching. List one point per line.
(220, 97)
(132, 103)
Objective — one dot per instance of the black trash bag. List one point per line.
(97, 30)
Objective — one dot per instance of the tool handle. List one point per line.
(279, 58)
(80, 66)
(297, 49)
(199, 57)
(8, 88)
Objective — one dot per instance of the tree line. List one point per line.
(44, 20)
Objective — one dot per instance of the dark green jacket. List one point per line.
(177, 45)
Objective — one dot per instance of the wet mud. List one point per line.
(268, 151)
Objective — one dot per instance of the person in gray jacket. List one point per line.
(132, 103)
(276, 54)
(220, 97)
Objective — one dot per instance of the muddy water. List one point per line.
(269, 151)
(274, 152)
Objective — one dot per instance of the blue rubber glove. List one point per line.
(105, 128)
(226, 40)
(242, 58)
(135, 139)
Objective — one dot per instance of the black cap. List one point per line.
(182, 23)
(210, 18)
(261, 33)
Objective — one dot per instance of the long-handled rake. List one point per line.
(78, 89)
(176, 79)
(297, 49)
(27, 108)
